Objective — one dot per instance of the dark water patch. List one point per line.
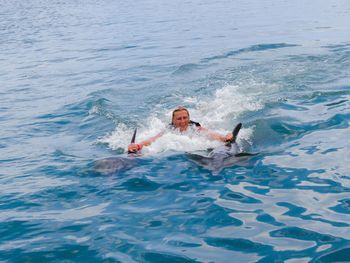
(276, 177)
(141, 79)
(341, 54)
(68, 117)
(59, 199)
(338, 121)
(269, 132)
(59, 169)
(65, 195)
(336, 103)
(61, 59)
(172, 168)
(155, 224)
(111, 49)
(331, 186)
(177, 243)
(239, 197)
(261, 175)
(10, 160)
(201, 204)
(332, 99)
(209, 215)
(268, 219)
(16, 229)
(186, 68)
(316, 72)
(254, 48)
(16, 202)
(257, 190)
(268, 175)
(68, 252)
(340, 255)
(343, 207)
(59, 155)
(239, 244)
(327, 96)
(74, 228)
(304, 234)
(275, 131)
(338, 47)
(161, 257)
(88, 116)
(79, 109)
(333, 150)
(140, 185)
(286, 130)
(296, 211)
(283, 104)
(182, 186)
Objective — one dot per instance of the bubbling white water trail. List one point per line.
(219, 112)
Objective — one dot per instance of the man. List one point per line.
(181, 122)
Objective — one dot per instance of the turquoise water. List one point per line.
(78, 76)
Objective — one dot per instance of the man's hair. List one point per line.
(180, 108)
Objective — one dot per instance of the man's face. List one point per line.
(181, 120)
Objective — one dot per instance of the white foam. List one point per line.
(223, 107)
(176, 141)
(218, 112)
(94, 110)
(118, 138)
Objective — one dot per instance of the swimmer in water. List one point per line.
(181, 122)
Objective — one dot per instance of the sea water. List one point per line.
(77, 77)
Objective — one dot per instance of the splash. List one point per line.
(222, 110)
(219, 112)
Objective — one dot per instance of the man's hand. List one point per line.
(134, 147)
(229, 137)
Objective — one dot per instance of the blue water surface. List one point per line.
(78, 76)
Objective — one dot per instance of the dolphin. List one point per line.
(113, 165)
(117, 164)
(223, 156)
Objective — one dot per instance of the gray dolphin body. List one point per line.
(217, 159)
(230, 148)
(114, 165)
(222, 156)
(117, 164)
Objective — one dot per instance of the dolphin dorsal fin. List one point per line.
(236, 131)
(234, 134)
(133, 139)
(133, 136)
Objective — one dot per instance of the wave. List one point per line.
(253, 48)
(220, 111)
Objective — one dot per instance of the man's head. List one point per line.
(181, 118)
